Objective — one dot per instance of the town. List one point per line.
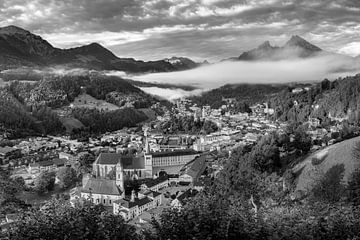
(138, 172)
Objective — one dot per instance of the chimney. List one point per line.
(132, 199)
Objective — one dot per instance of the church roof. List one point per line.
(101, 186)
(128, 162)
(108, 158)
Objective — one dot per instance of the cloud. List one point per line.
(160, 28)
(352, 49)
(216, 75)
(170, 93)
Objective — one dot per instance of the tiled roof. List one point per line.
(101, 186)
(128, 162)
(153, 194)
(56, 161)
(108, 158)
(138, 202)
(174, 153)
(197, 167)
(46, 163)
(150, 182)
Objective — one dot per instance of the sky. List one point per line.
(199, 29)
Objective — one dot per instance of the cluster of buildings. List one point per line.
(106, 184)
(154, 160)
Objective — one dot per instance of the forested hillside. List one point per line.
(326, 100)
(27, 107)
(249, 93)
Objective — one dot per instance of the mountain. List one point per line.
(181, 63)
(19, 47)
(296, 47)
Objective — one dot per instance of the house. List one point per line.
(8, 153)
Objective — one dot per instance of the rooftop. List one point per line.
(101, 186)
(174, 153)
(126, 203)
(197, 167)
(128, 161)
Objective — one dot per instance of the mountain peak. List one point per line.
(297, 41)
(11, 29)
(265, 44)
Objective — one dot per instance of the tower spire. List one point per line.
(147, 147)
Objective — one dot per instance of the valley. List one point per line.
(264, 144)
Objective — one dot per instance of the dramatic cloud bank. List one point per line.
(216, 75)
(200, 29)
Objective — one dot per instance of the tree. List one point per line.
(9, 188)
(45, 182)
(67, 177)
(58, 220)
(330, 187)
(85, 164)
(302, 140)
(354, 187)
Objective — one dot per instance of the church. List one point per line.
(111, 170)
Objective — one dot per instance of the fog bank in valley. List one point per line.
(284, 71)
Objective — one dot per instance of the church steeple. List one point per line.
(120, 176)
(147, 147)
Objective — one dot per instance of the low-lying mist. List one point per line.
(283, 71)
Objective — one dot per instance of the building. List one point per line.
(193, 171)
(169, 161)
(102, 191)
(8, 153)
(48, 165)
(136, 205)
(133, 166)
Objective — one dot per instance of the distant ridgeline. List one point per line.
(28, 108)
(326, 100)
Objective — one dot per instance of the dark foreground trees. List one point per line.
(58, 220)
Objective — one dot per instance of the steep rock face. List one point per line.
(264, 51)
(296, 47)
(19, 47)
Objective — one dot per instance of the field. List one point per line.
(71, 123)
(321, 161)
(87, 101)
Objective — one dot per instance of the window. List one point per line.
(97, 200)
(109, 201)
(104, 201)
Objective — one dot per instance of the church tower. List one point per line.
(120, 177)
(147, 156)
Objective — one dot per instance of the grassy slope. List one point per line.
(335, 154)
(87, 101)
